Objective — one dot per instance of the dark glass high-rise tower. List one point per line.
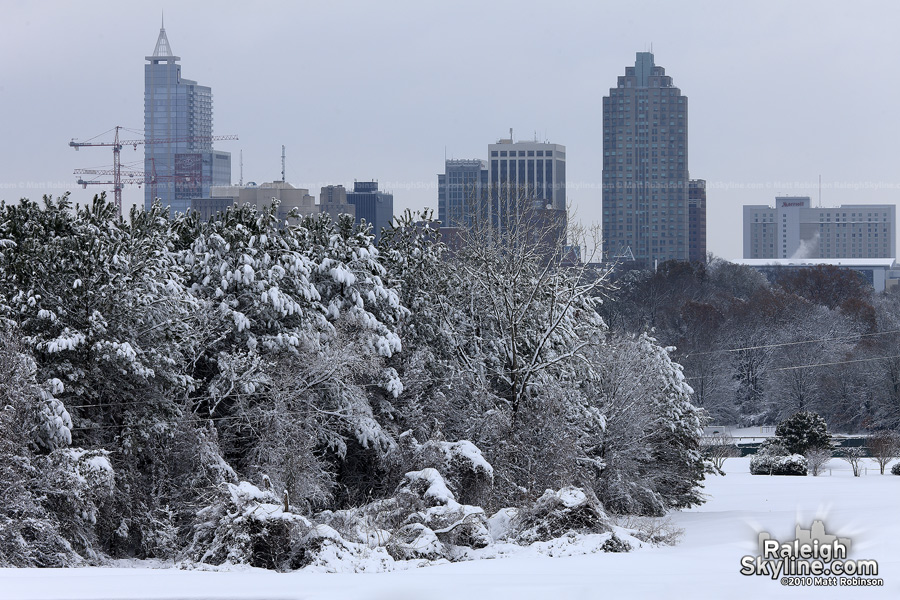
(178, 156)
(645, 167)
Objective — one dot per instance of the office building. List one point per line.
(260, 196)
(697, 220)
(534, 172)
(645, 167)
(333, 200)
(178, 126)
(372, 206)
(794, 229)
(462, 189)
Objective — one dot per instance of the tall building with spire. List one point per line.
(645, 168)
(178, 127)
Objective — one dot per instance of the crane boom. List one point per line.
(117, 172)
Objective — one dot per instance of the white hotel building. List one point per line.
(793, 229)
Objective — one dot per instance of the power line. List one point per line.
(795, 343)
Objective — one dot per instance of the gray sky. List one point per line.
(780, 92)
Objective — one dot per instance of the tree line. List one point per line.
(756, 351)
(150, 363)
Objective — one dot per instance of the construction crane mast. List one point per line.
(133, 177)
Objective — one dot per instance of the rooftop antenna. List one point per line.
(510, 135)
(282, 164)
(241, 182)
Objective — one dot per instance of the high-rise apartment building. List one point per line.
(178, 126)
(645, 167)
(462, 189)
(793, 228)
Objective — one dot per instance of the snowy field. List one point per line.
(705, 564)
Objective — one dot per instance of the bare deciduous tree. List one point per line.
(853, 456)
(883, 446)
(816, 458)
(717, 448)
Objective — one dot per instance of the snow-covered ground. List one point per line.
(705, 564)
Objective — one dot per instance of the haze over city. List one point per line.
(779, 93)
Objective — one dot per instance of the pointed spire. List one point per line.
(163, 49)
(162, 45)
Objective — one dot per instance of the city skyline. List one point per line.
(75, 73)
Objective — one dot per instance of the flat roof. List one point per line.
(886, 263)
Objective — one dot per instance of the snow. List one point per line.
(437, 488)
(704, 565)
(570, 496)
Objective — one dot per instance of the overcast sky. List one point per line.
(780, 92)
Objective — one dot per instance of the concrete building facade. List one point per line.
(794, 229)
(261, 196)
(333, 200)
(645, 167)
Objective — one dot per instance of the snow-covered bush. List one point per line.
(250, 526)
(895, 470)
(464, 469)
(78, 483)
(453, 523)
(615, 544)
(326, 551)
(768, 464)
(558, 512)
(415, 541)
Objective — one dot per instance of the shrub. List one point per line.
(558, 512)
(766, 464)
(615, 544)
(895, 470)
(802, 431)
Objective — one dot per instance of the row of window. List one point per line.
(523, 153)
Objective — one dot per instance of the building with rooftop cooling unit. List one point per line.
(260, 196)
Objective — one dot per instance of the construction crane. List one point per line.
(116, 171)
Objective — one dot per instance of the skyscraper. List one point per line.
(372, 206)
(178, 127)
(461, 190)
(697, 220)
(645, 167)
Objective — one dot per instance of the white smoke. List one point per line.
(808, 248)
